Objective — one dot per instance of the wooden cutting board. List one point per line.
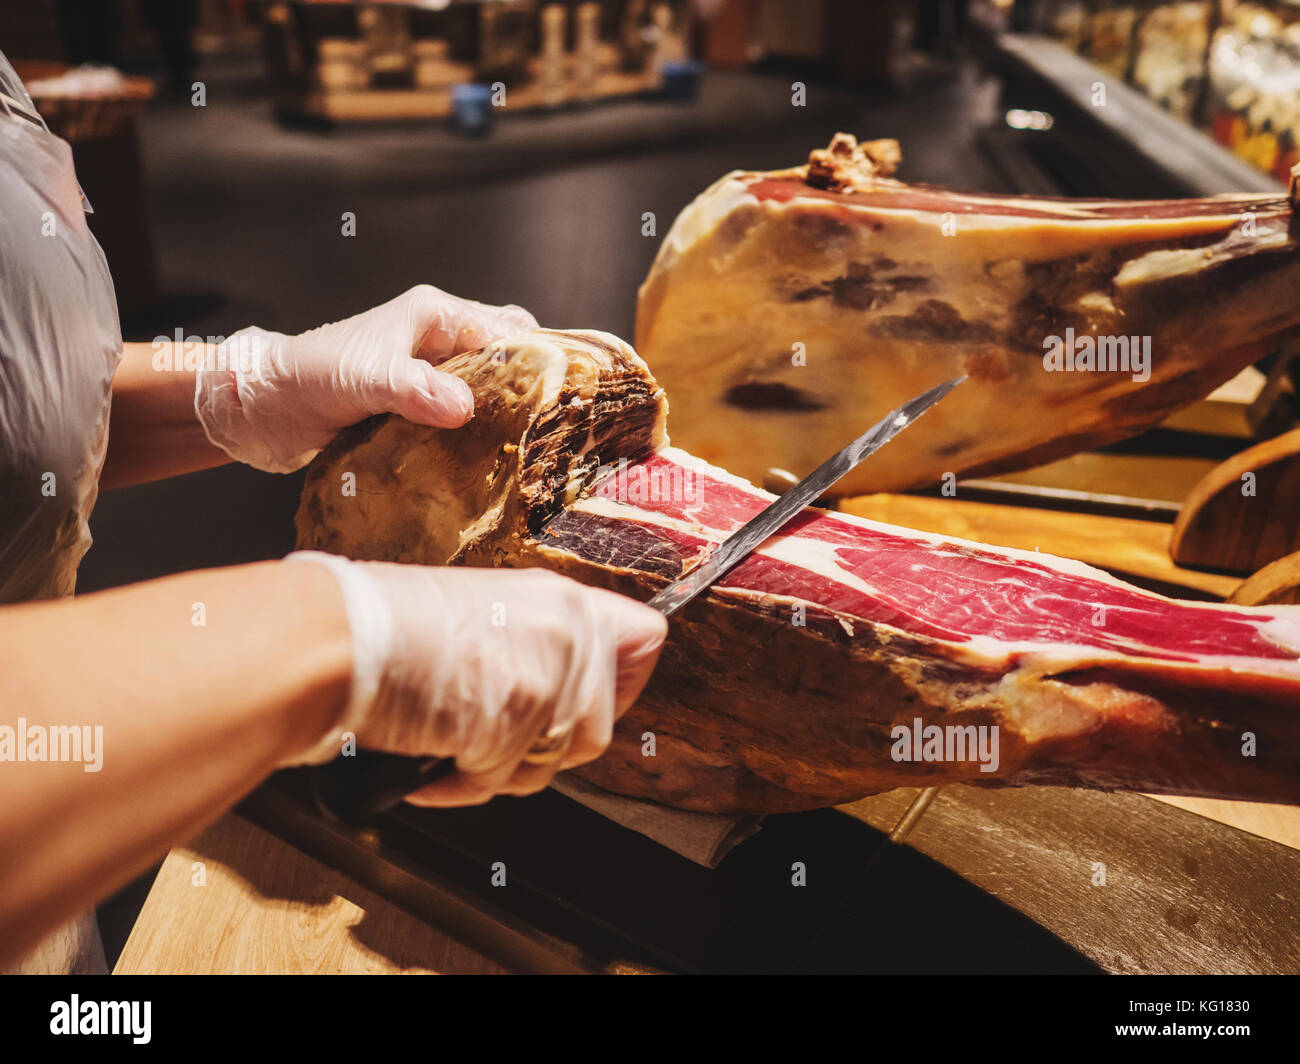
(1245, 513)
(239, 901)
(1135, 885)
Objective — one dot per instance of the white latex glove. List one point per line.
(483, 665)
(273, 401)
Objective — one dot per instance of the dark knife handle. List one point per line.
(350, 789)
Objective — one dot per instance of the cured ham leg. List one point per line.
(788, 310)
(833, 661)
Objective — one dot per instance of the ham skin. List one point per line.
(787, 310)
(781, 687)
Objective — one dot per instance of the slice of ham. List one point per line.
(787, 310)
(786, 686)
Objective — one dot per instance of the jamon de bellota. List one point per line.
(844, 654)
(787, 310)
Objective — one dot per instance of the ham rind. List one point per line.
(785, 687)
(788, 310)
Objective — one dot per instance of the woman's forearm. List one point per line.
(185, 692)
(153, 432)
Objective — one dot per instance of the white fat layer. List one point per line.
(1281, 628)
(1175, 262)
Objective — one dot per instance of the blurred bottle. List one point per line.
(552, 64)
(586, 50)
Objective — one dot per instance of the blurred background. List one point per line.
(289, 163)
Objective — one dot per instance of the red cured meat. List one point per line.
(986, 593)
(788, 684)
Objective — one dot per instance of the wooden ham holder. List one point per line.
(1275, 584)
(1245, 513)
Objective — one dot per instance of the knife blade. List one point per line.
(772, 518)
(370, 782)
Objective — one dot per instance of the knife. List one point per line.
(369, 782)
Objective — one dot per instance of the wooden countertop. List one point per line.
(239, 901)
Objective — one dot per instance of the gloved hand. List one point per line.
(273, 401)
(483, 665)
